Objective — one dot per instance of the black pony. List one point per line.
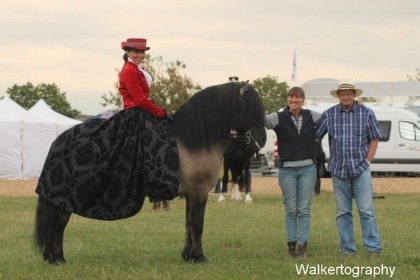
(236, 161)
(202, 127)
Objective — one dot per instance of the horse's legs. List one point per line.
(248, 197)
(62, 221)
(225, 182)
(194, 224)
(49, 231)
(224, 188)
(53, 251)
(236, 174)
(225, 178)
(236, 194)
(221, 197)
(247, 182)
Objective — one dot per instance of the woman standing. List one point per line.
(110, 165)
(294, 129)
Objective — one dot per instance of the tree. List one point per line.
(113, 98)
(416, 77)
(411, 99)
(367, 99)
(28, 95)
(273, 93)
(170, 89)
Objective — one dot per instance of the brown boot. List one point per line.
(291, 249)
(302, 250)
(165, 205)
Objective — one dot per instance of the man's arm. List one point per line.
(321, 128)
(373, 146)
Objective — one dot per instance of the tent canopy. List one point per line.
(10, 111)
(26, 137)
(44, 112)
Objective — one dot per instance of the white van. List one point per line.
(399, 147)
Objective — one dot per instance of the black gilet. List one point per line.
(291, 145)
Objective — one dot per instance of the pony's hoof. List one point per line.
(54, 260)
(188, 257)
(248, 198)
(221, 199)
(58, 261)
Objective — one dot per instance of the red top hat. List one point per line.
(135, 43)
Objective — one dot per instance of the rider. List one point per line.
(110, 165)
(134, 86)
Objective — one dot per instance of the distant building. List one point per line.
(399, 94)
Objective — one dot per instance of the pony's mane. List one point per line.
(209, 115)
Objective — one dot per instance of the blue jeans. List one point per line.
(297, 186)
(361, 189)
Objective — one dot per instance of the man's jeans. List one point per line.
(297, 187)
(361, 189)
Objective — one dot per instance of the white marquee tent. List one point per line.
(45, 113)
(25, 139)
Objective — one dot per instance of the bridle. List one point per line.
(246, 138)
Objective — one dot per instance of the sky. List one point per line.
(76, 43)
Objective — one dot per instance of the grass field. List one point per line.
(241, 241)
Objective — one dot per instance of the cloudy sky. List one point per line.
(76, 43)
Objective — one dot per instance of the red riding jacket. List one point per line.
(135, 90)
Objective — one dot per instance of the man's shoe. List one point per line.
(348, 254)
(374, 256)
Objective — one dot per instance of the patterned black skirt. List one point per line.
(104, 169)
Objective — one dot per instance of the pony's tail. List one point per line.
(44, 223)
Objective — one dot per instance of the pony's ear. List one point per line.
(244, 87)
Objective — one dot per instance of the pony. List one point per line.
(201, 126)
(236, 160)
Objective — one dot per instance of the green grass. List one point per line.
(241, 241)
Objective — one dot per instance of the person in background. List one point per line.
(160, 205)
(353, 133)
(294, 127)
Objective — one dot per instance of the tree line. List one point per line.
(171, 88)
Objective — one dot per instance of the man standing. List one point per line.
(353, 133)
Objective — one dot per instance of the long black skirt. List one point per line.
(104, 169)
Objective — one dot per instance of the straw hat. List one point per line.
(346, 84)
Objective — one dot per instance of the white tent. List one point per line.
(24, 141)
(10, 141)
(45, 113)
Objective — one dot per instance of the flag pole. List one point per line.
(294, 69)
